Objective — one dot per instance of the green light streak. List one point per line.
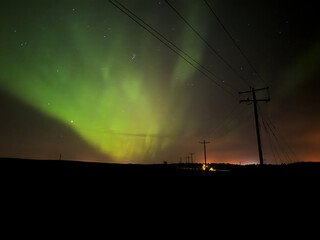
(91, 83)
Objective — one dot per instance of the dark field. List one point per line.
(181, 189)
(54, 171)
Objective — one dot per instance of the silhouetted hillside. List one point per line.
(62, 170)
(176, 185)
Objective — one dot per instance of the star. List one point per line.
(23, 44)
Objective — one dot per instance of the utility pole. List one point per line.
(256, 117)
(205, 151)
(191, 154)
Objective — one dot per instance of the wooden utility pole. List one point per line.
(191, 154)
(205, 151)
(256, 117)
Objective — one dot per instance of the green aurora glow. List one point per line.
(108, 87)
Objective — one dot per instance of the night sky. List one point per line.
(82, 79)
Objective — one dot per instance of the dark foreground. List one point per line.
(57, 172)
(180, 189)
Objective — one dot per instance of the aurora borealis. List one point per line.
(89, 68)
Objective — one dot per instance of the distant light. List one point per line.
(204, 167)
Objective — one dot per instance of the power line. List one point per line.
(283, 148)
(208, 44)
(272, 147)
(175, 46)
(234, 42)
(157, 35)
(272, 126)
